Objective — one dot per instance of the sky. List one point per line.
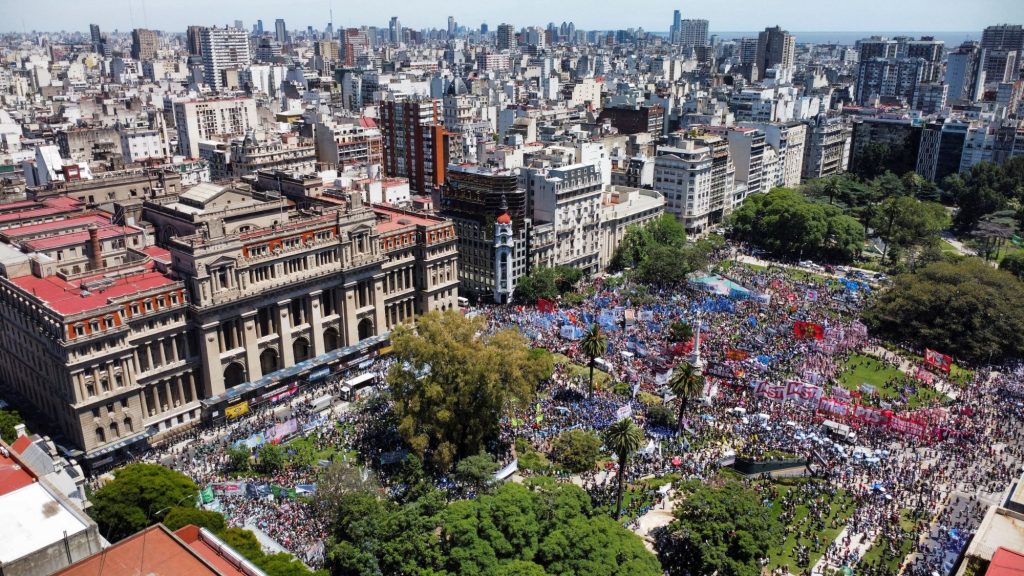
(652, 15)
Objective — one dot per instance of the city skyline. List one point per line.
(798, 15)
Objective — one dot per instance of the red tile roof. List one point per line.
(1006, 562)
(13, 475)
(154, 551)
(77, 238)
(43, 227)
(66, 298)
(190, 535)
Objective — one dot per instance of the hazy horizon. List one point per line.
(927, 16)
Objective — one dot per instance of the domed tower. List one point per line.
(503, 246)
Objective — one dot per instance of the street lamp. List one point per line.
(162, 510)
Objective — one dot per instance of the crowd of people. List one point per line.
(744, 337)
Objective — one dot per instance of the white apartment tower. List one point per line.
(223, 48)
(212, 119)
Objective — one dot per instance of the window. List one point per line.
(79, 330)
(100, 436)
(94, 325)
(135, 309)
(108, 322)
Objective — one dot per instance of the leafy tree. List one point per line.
(686, 383)
(453, 382)
(138, 492)
(594, 344)
(595, 546)
(966, 309)
(477, 471)
(1014, 264)
(623, 438)
(8, 420)
(180, 516)
(271, 458)
(722, 529)
(536, 528)
(239, 458)
(639, 240)
(660, 415)
(984, 189)
(282, 564)
(786, 224)
(339, 479)
(242, 541)
(547, 283)
(576, 450)
(679, 332)
(904, 223)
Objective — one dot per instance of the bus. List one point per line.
(354, 387)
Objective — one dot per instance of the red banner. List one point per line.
(734, 354)
(545, 305)
(938, 360)
(808, 330)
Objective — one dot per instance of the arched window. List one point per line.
(128, 425)
(113, 430)
(101, 437)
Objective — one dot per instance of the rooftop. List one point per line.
(154, 551)
(77, 238)
(68, 298)
(33, 519)
(44, 227)
(1006, 562)
(12, 475)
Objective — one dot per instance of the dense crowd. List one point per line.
(892, 490)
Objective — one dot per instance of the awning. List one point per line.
(110, 448)
(295, 370)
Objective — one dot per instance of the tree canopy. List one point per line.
(788, 225)
(576, 450)
(984, 189)
(8, 420)
(536, 528)
(905, 223)
(547, 283)
(722, 528)
(131, 501)
(658, 252)
(966, 309)
(453, 382)
(1014, 264)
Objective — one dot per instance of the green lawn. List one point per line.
(879, 550)
(788, 556)
(868, 370)
(601, 378)
(947, 247)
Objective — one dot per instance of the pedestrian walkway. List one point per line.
(860, 543)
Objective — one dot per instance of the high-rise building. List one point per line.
(931, 97)
(211, 118)
(876, 47)
(929, 49)
(890, 78)
(697, 177)
(483, 29)
(94, 33)
(1003, 37)
(965, 73)
(775, 47)
(281, 31)
(488, 209)
(1000, 65)
(506, 39)
(259, 27)
(194, 40)
(452, 27)
(223, 49)
(673, 32)
(416, 145)
(144, 44)
(395, 30)
(693, 33)
(827, 148)
(355, 42)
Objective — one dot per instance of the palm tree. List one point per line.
(832, 189)
(623, 438)
(594, 344)
(686, 383)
